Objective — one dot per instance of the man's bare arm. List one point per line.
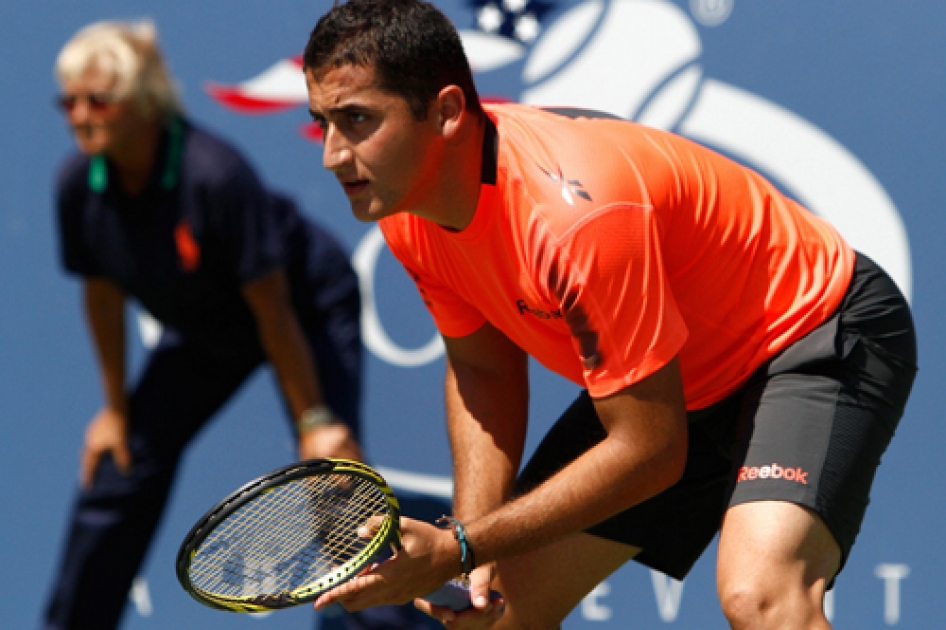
(108, 430)
(288, 352)
(487, 398)
(643, 454)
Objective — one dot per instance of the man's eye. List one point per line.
(356, 118)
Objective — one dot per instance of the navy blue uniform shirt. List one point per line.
(203, 227)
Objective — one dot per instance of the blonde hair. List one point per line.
(128, 52)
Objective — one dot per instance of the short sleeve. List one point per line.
(71, 204)
(245, 222)
(453, 316)
(610, 280)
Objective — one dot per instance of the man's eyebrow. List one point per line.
(351, 108)
(343, 109)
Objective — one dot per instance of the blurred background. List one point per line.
(841, 104)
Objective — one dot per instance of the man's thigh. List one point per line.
(543, 586)
(777, 543)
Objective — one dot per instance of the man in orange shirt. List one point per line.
(744, 367)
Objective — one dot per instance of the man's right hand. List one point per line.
(107, 432)
(331, 440)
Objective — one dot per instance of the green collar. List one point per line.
(98, 169)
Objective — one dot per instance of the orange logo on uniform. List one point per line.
(773, 471)
(188, 250)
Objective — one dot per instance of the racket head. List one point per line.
(286, 537)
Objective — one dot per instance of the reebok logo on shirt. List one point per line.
(772, 471)
(569, 186)
(524, 308)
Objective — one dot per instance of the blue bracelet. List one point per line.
(466, 550)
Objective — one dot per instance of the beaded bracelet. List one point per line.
(466, 550)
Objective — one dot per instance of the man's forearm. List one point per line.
(484, 464)
(284, 342)
(105, 314)
(289, 355)
(592, 488)
(643, 454)
(487, 398)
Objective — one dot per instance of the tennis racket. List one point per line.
(285, 538)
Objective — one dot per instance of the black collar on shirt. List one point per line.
(98, 167)
(490, 153)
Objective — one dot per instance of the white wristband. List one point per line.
(315, 417)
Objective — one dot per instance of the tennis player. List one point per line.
(744, 368)
(152, 208)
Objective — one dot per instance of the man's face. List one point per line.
(384, 158)
(100, 123)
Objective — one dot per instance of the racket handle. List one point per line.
(455, 596)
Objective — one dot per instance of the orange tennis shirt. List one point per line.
(604, 248)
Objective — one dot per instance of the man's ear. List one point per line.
(449, 107)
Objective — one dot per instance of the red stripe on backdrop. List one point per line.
(234, 98)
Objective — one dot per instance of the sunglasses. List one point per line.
(97, 101)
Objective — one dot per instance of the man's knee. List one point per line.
(766, 601)
(746, 602)
(775, 561)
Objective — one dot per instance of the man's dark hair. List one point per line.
(413, 47)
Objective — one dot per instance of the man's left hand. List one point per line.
(484, 613)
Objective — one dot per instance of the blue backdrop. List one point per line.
(840, 103)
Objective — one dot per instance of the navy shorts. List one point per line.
(808, 427)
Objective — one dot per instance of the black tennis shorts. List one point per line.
(808, 427)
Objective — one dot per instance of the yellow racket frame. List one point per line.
(388, 534)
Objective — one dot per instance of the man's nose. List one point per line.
(337, 152)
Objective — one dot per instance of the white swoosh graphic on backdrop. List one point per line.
(433, 485)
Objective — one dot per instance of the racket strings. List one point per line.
(288, 537)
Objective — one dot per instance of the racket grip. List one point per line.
(455, 596)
